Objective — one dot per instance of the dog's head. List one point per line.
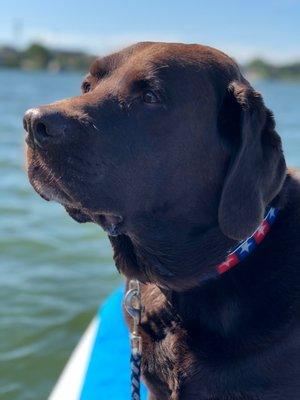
(163, 137)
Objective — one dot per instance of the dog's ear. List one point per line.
(257, 168)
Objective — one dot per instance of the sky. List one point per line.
(244, 29)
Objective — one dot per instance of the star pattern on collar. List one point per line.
(246, 247)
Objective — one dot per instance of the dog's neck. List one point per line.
(172, 257)
(175, 255)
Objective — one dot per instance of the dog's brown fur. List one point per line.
(175, 155)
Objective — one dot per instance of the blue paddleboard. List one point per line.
(99, 367)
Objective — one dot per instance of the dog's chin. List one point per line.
(110, 223)
(78, 215)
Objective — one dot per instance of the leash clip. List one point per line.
(133, 306)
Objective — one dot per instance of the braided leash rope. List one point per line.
(135, 362)
(133, 307)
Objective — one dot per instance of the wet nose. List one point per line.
(44, 127)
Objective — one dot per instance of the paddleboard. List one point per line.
(99, 367)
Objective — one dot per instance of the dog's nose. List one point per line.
(44, 127)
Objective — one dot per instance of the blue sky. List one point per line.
(244, 29)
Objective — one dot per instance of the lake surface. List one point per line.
(54, 273)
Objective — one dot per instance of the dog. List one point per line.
(173, 153)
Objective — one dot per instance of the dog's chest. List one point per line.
(183, 362)
(166, 357)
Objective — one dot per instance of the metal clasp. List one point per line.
(133, 306)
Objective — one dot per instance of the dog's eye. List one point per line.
(150, 97)
(86, 87)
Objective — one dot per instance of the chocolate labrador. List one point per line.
(173, 153)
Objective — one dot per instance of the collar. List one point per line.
(244, 248)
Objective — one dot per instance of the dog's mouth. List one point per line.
(44, 182)
(50, 188)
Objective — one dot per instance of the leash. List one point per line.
(133, 306)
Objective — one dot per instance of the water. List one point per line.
(55, 272)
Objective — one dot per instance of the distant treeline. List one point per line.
(39, 57)
(259, 68)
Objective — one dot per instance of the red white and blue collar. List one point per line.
(246, 247)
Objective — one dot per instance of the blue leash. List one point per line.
(133, 307)
(135, 362)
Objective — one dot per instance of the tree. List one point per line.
(37, 55)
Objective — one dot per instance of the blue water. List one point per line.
(54, 272)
